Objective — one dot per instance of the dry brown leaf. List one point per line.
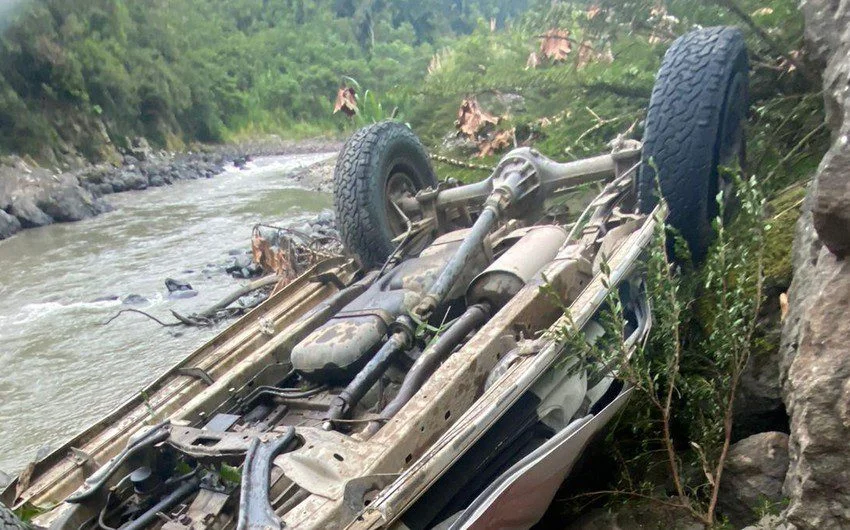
(532, 62)
(762, 12)
(555, 45)
(585, 54)
(471, 120)
(592, 11)
(346, 101)
(500, 141)
(263, 254)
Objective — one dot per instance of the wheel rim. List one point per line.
(400, 186)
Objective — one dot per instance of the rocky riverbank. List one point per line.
(32, 196)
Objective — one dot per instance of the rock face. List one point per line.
(816, 364)
(753, 475)
(828, 33)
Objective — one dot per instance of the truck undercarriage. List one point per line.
(421, 383)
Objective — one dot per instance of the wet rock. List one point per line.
(133, 180)
(43, 452)
(28, 213)
(5, 479)
(9, 225)
(175, 285)
(181, 294)
(325, 218)
(753, 476)
(134, 299)
(242, 267)
(156, 181)
(69, 202)
(252, 300)
(107, 298)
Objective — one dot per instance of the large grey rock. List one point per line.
(816, 364)
(9, 225)
(28, 213)
(68, 201)
(754, 473)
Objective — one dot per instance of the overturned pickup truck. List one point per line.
(416, 386)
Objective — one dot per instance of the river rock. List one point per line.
(28, 213)
(175, 285)
(9, 225)
(754, 473)
(179, 295)
(134, 299)
(130, 179)
(69, 202)
(815, 364)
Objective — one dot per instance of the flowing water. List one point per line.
(60, 367)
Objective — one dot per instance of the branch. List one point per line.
(236, 295)
(732, 6)
(793, 150)
(158, 321)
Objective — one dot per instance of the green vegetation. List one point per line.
(84, 76)
(679, 425)
(591, 97)
(77, 75)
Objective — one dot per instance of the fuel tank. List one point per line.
(335, 352)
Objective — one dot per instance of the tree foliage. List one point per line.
(75, 74)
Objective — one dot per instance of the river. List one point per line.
(60, 367)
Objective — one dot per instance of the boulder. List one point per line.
(28, 213)
(753, 476)
(176, 285)
(68, 202)
(9, 225)
(134, 299)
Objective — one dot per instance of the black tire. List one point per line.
(377, 158)
(694, 125)
(10, 521)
